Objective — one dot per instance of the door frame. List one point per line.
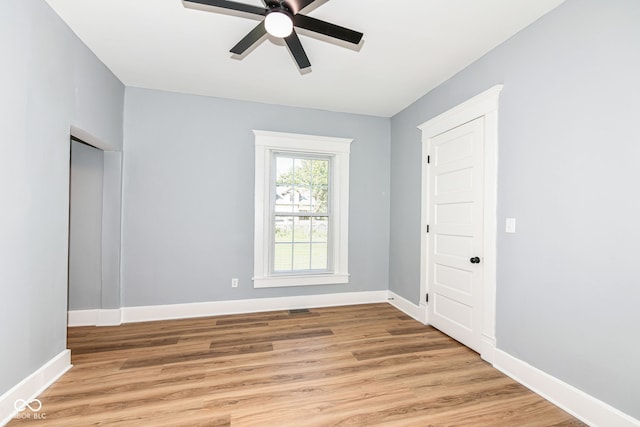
(109, 312)
(482, 105)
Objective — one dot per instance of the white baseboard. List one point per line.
(217, 308)
(488, 348)
(82, 318)
(96, 317)
(416, 311)
(111, 317)
(585, 407)
(32, 386)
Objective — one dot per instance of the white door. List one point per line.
(455, 235)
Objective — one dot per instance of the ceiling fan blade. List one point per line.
(254, 35)
(297, 5)
(226, 4)
(294, 45)
(326, 28)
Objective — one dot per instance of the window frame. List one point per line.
(266, 145)
(273, 214)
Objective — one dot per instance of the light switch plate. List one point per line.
(510, 225)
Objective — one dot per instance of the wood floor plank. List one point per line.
(142, 362)
(270, 337)
(77, 341)
(362, 365)
(127, 345)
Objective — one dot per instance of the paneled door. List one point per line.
(455, 245)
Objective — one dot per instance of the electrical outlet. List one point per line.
(234, 282)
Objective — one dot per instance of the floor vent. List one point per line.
(299, 311)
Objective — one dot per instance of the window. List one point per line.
(300, 214)
(301, 210)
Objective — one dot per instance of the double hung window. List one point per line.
(301, 215)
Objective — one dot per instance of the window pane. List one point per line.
(301, 256)
(320, 170)
(283, 229)
(302, 172)
(320, 185)
(319, 230)
(319, 199)
(284, 170)
(303, 199)
(319, 256)
(302, 229)
(282, 258)
(284, 180)
(284, 199)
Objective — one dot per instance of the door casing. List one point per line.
(482, 105)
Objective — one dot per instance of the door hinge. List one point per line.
(427, 228)
(428, 159)
(427, 298)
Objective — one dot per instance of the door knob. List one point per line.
(475, 260)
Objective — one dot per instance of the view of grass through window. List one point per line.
(301, 214)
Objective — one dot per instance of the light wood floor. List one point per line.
(358, 366)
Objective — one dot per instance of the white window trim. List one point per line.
(339, 148)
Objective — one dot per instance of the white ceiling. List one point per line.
(409, 47)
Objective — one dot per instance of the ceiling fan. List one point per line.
(280, 18)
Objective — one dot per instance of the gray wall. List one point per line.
(568, 285)
(85, 227)
(111, 229)
(45, 88)
(189, 188)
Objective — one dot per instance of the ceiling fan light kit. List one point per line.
(280, 18)
(278, 23)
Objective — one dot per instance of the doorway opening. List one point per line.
(95, 194)
(86, 170)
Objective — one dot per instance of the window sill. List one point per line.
(305, 280)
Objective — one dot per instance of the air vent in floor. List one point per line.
(299, 311)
